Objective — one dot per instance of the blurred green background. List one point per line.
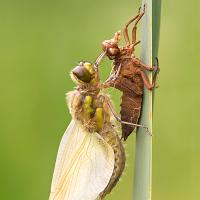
(40, 41)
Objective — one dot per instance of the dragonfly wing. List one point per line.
(84, 165)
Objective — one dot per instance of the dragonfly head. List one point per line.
(111, 46)
(84, 73)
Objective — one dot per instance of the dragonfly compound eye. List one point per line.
(82, 74)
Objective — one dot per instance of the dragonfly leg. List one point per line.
(125, 30)
(146, 81)
(140, 15)
(139, 63)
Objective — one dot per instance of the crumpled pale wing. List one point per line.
(84, 165)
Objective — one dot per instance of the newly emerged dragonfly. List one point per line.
(128, 75)
(91, 156)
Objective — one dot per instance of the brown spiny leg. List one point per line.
(125, 30)
(157, 70)
(139, 63)
(135, 26)
(145, 79)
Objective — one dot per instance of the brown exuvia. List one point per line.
(128, 75)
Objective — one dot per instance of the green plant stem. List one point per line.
(149, 49)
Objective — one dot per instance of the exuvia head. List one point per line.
(111, 46)
(83, 73)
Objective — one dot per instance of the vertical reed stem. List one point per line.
(143, 159)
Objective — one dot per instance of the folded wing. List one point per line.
(84, 165)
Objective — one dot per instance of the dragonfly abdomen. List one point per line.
(110, 135)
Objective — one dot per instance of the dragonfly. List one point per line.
(91, 155)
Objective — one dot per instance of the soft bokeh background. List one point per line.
(40, 41)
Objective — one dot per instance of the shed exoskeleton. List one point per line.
(128, 74)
